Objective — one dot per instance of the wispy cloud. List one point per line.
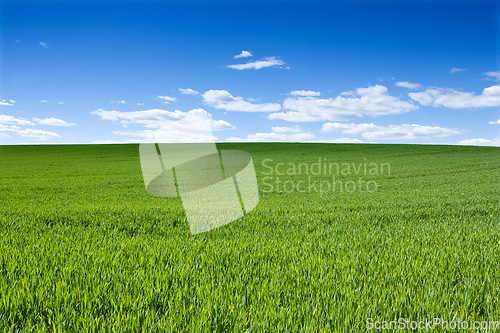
(343, 140)
(278, 134)
(37, 134)
(456, 70)
(274, 137)
(10, 120)
(370, 101)
(259, 64)
(495, 122)
(305, 93)
(52, 122)
(480, 142)
(12, 124)
(44, 45)
(157, 118)
(118, 102)
(391, 132)
(285, 129)
(493, 75)
(9, 102)
(222, 99)
(454, 99)
(188, 91)
(46, 101)
(27, 132)
(408, 85)
(166, 99)
(243, 54)
(167, 126)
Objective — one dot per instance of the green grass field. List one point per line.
(85, 248)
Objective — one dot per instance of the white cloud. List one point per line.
(167, 99)
(344, 140)
(118, 102)
(111, 141)
(46, 101)
(493, 75)
(391, 132)
(11, 124)
(44, 45)
(258, 64)
(456, 70)
(348, 128)
(9, 128)
(10, 102)
(274, 137)
(10, 120)
(243, 54)
(167, 126)
(52, 122)
(27, 132)
(188, 91)
(370, 101)
(140, 104)
(495, 122)
(222, 99)
(306, 93)
(408, 85)
(454, 99)
(37, 134)
(167, 136)
(480, 142)
(156, 118)
(285, 129)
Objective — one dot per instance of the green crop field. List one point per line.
(83, 246)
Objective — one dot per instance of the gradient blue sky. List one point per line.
(65, 66)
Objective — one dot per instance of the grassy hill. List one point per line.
(84, 246)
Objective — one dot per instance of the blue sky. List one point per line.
(329, 71)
